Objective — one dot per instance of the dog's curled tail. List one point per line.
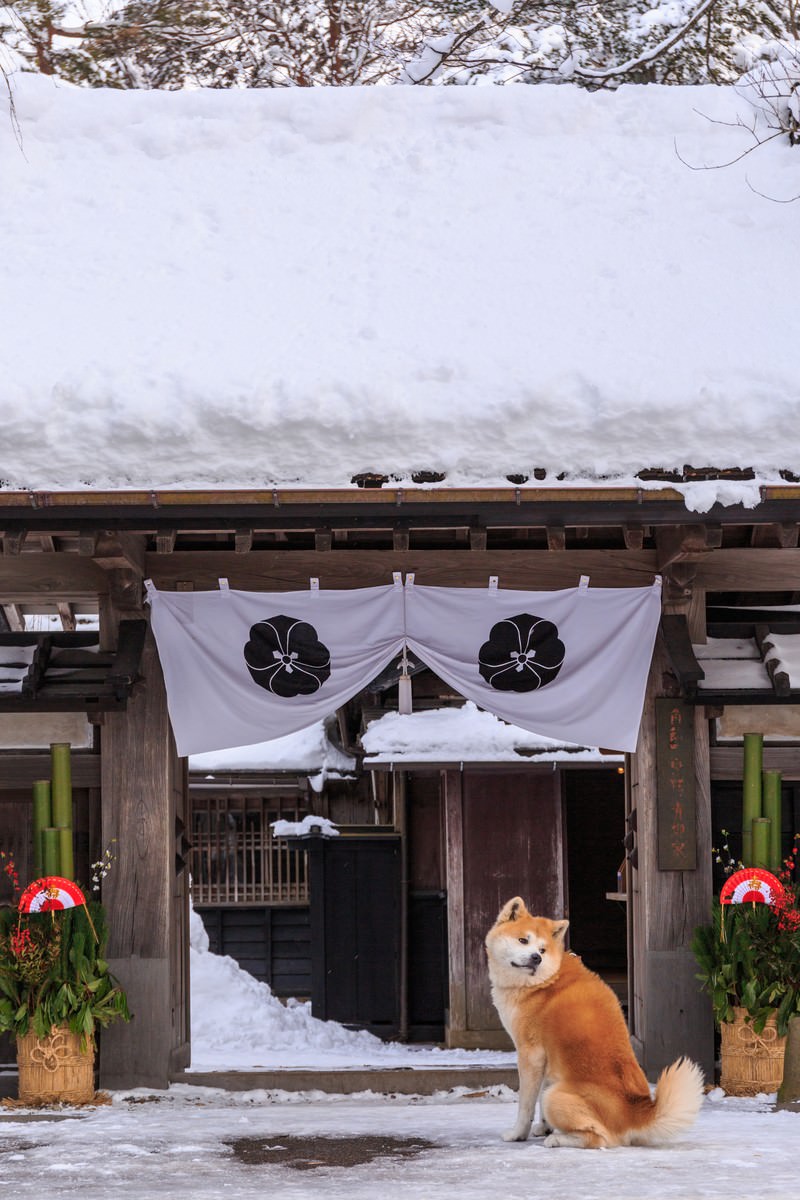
(679, 1094)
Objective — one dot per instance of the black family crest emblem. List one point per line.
(523, 653)
(286, 657)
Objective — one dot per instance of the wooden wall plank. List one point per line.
(727, 762)
(20, 770)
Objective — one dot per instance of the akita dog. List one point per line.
(573, 1046)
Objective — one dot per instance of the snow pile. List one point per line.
(308, 750)
(321, 825)
(237, 1024)
(464, 734)
(295, 286)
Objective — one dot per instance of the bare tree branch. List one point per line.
(651, 55)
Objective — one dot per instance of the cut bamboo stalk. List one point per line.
(761, 827)
(61, 790)
(42, 819)
(66, 859)
(771, 805)
(751, 791)
(50, 851)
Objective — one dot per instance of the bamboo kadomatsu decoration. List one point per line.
(751, 791)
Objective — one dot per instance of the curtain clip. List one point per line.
(313, 583)
(224, 586)
(494, 581)
(410, 579)
(583, 583)
(397, 578)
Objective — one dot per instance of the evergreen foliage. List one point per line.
(52, 972)
(749, 961)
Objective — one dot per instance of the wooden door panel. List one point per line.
(513, 846)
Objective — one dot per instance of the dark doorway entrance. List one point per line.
(595, 818)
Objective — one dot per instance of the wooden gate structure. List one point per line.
(66, 553)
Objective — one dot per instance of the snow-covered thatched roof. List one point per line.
(285, 287)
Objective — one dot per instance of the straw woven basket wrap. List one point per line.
(55, 1069)
(751, 1062)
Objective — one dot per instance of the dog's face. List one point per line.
(524, 950)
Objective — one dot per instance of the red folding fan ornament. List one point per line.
(753, 885)
(51, 893)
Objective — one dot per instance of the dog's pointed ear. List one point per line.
(559, 930)
(511, 910)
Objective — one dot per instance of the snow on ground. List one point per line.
(293, 286)
(181, 1143)
(237, 1024)
(176, 1144)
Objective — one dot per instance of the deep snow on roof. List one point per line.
(277, 286)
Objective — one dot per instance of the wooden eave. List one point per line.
(66, 676)
(689, 672)
(287, 508)
(524, 763)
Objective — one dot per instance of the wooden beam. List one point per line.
(37, 578)
(13, 542)
(14, 618)
(268, 570)
(634, 536)
(243, 541)
(120, 551)
(67, 615)
(687, 669)
(784, 534)
(675, 542)
(752, 569)
(781, 682)
(556, 537)
(478, 536)
(401, 538)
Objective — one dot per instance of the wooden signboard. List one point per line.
(676, 810)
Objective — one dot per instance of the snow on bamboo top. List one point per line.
(255, 288)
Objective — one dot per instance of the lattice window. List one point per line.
(236, 860)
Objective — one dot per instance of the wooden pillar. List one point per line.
(146, 893)
(670, 1016)
(456, 1016)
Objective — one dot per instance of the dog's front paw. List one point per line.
(515, 1135)
(541, 1129)
(555, 1139)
